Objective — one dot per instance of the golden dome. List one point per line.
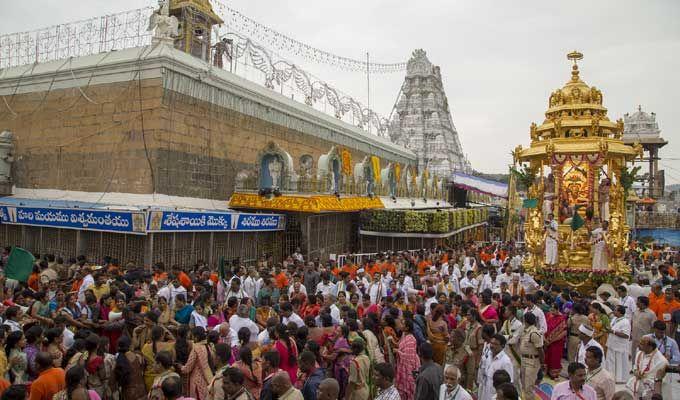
(576, 111)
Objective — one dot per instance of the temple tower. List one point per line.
(641, 127)
(196, 19)
(421, 120)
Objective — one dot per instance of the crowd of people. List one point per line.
(449, 324)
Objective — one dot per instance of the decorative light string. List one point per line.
(236, 21)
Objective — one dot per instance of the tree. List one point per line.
(628, 177)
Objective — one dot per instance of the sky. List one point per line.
(499, 59)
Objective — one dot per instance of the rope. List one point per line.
(8, 107)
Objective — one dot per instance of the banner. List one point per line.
(190, 221)
(397, 172)
(74, 218)
(375, 163)
(346, 157)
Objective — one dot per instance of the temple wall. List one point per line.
(143, 121)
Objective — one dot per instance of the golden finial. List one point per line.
(574, 56)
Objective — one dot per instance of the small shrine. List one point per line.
(575, 228)
(196, 19)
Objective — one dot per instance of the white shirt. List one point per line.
(377, 290)
(229, 293)
(466, 283)
(68, 340)
(232, 337)
(335, 313)
(528, 283)
(615, 343)
(541, 323)
(581, 357)
(236, 323)
(408, 283)
(325, 288)
(428, 304)
(460, 393)
(249, 287)
(13, 325)
(303, 289)
(497, 362)
(505, 278)
(649, 365)
(486, 283)
(294, 318)
(88, 281)
(170, 292)
(630, 305)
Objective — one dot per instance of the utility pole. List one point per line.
(368, 89)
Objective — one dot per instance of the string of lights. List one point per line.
(276, 72)
(236, 21)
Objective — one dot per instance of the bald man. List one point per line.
(283, 387)
(328, 390)
(451, 389)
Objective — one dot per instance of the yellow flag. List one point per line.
(375, 162)
(397, 171)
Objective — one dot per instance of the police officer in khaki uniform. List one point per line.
(531, 353)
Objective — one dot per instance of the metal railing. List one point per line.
(76, 39)
(652, 220)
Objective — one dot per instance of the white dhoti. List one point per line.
(551, 255)
(600, 256)
(604, 210)
(618, 364)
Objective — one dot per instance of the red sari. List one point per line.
(555, 339)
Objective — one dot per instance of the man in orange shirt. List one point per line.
(280, 278)
(350, 268)
(183, 278)
(655, 295)
(665, 306)
(50, 380)
(422, 266)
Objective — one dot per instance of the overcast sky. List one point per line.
(499, 59)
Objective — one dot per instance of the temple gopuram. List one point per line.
(576, 171)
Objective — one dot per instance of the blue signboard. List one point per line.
(74, 218)
(189, 221)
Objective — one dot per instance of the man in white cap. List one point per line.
(585, 333)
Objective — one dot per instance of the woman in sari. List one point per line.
(53, 339)
(487, 311)
(165, 318)
(600, 322)
(340, 357)
(372, 344)
(390, 338)
(438, 334)
(162, 370)
(288, 352)
(128, 371)
(555, 339)
(407, 362)
(161, 340)
(94, 366)
(199, 366)
(182, 310)
(251, 368)
(14, 350)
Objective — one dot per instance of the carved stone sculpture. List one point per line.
(164, 25)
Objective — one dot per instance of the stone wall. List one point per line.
(64, 141)
(190, 147)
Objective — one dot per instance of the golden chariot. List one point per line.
(576, 158)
